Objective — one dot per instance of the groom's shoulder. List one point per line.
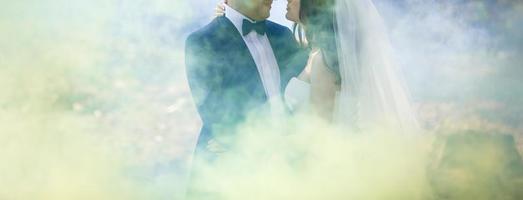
(277, 28)
(205, 32)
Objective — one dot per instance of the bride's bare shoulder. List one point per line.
(312, 62)
(316, 58)
(321, 75)
(317, 61)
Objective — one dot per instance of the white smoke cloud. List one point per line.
(94, 101)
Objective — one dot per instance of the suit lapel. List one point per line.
(275, 44)
(242, 70)
(280, 47)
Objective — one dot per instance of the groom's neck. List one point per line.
(243, 10)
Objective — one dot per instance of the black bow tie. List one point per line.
(259, 27)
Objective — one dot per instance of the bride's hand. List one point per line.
(220, 9)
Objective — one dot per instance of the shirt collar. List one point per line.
(236, 17)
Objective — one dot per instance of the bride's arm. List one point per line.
(323, 88)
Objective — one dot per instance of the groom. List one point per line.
(237, 63)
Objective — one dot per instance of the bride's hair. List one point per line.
(317, 28)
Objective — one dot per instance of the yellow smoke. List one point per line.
(78, 122)
(307, 159)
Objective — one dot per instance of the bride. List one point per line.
(350, 78)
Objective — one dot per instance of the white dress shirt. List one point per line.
(262, 53)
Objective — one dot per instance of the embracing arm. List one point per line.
(202, 77)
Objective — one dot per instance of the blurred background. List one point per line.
(94, 101)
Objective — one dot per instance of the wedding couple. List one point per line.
(337, 65)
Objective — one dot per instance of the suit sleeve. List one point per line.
(298, 56)
(202, 77)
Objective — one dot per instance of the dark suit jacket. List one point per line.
(223, 77)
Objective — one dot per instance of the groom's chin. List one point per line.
(266, 12)
(264, 16)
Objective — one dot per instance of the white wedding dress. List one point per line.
(372, 92)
